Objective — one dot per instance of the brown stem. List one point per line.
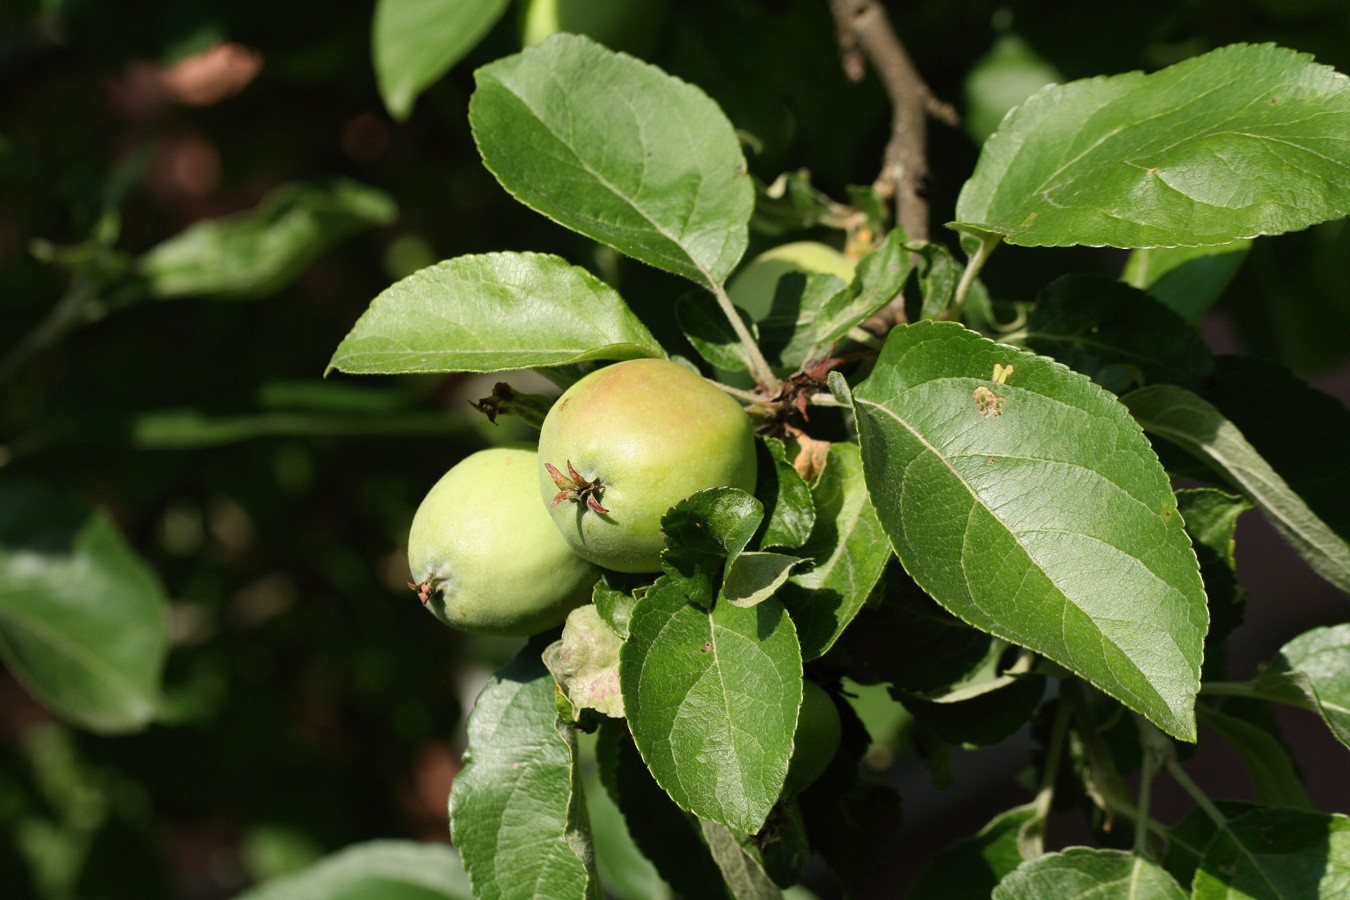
(865, 32)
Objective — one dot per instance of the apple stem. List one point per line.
(759, 366)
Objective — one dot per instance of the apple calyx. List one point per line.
(573, 486)
(424, 590)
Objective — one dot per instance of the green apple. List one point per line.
(815, 741)
(753, 287)
(486, 556)
(629, 441)
(632, 26)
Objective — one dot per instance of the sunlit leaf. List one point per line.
(378, 870)
(997, 474)
(1242, 141)
(415, 42)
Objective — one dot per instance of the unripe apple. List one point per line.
(815, 741)
(753, 287)
(625, 444)
(486, 557)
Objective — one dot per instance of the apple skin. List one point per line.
(648, 433)
(486, 557)
(815, 741)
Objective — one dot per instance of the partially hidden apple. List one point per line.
(486, 556)
(629, 441)
(815, 741)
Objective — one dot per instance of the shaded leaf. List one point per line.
(712, 701)
(984, 719)
(970, 868)
(1082, 872)
(707, 328)
(377, 870)
(415, 42)
(516, 812)
(1242, 141)
(1277, 853)
(785, 495)
(1199, 428)
(258, 252)
(1211, 518)
(1301, 431)
(619, 151)
(705, 532)
(1118, 336)
(83, 619)
(960, 466)
(493, 312)
(1187, 280)
(850, 551)
(667, 835)
(1273, 772)
(1187, 840)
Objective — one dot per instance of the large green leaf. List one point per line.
(378, 870)
(258, 252)
(618, 150)
(516, 811)
(849, 550)
(1243, 141)
(1277, 854)
(1274, 774)
(1196, 426)
(712, 700)
(492, 312)
(1080, 873)
(415, 42)
(83, 620)
(1037, 511)
(1314, 670)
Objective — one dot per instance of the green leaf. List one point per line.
(83, 619)
(962, 468)
(706, 326)
(415, 42)
(1314, 667)
(705, 533)
(970, 868)
(516, 812)
(1187, 840)
(1273, 772)
(1274, 854)
(787, 497)
(1211, 518)
(1118, 336)
(258, 252)
(585, 663)
(668, 836)
(1187, 280)
(849, 549)
(1079, 873)
(1197, 427)
(619, 151)
(376, 870)
(754, 576)
(810, 312)
(614, 605)
(852, 823)
(1242, 141)
(712, 701)
(493, 312)
(743, 873)
(1009, 72)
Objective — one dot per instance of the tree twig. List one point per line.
(865, 34)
